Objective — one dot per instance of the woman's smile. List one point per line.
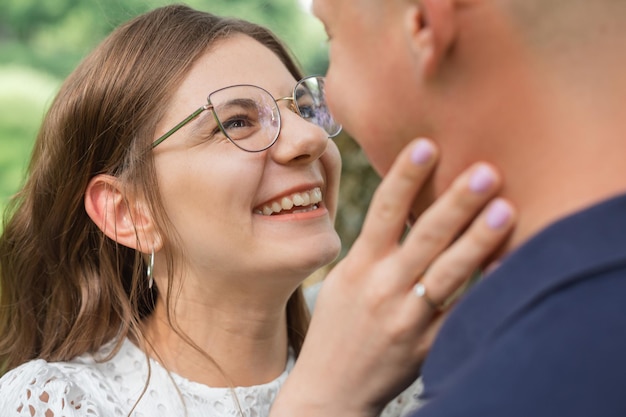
(299, 202)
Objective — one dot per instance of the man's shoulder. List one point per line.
(560, 355)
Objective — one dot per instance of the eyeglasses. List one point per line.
(249, 117)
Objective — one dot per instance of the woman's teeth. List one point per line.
(308, 200)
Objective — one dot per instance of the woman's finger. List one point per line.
(469, 253)
(449, 215)
(386, 218)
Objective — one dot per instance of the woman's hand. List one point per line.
(373, 323)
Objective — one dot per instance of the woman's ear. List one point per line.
(122, 218)
(431, 31)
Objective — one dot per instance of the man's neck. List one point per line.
(566, 142)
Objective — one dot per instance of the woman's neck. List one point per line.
(240, 340)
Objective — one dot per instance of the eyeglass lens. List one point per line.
(249, 115)
(310, 98)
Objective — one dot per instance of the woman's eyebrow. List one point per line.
(242, 102)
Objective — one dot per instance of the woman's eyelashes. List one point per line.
(239, 126)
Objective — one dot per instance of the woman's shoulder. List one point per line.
(41, 388)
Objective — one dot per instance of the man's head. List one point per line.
(500, 80)
(370, 75)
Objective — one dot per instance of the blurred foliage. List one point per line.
(24, 95)
(41, 41)
(54, 34)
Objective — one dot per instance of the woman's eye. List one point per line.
(307, 112)
(241, 126)
(230, 125)
(235, 123)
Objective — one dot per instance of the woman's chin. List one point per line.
(313, 261)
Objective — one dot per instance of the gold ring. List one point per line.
(420, 290)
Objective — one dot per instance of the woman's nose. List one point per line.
(299, 141)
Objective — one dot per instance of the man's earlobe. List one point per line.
(123, 221)
(432, 31)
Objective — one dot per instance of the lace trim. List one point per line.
(40, 390)
(85, 387)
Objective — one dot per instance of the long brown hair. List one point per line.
(65, 288)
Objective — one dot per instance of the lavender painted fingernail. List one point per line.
(422, 152)
(498, 214)
(482, 179)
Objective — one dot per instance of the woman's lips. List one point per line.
(299, 202)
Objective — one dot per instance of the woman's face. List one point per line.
(215, 193)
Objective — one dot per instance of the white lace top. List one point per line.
(84, 387)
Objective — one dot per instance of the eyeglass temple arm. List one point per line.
(180, 125)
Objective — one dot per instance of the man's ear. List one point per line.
(431, 29)
(121, 218)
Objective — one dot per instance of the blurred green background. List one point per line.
(41, 41)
